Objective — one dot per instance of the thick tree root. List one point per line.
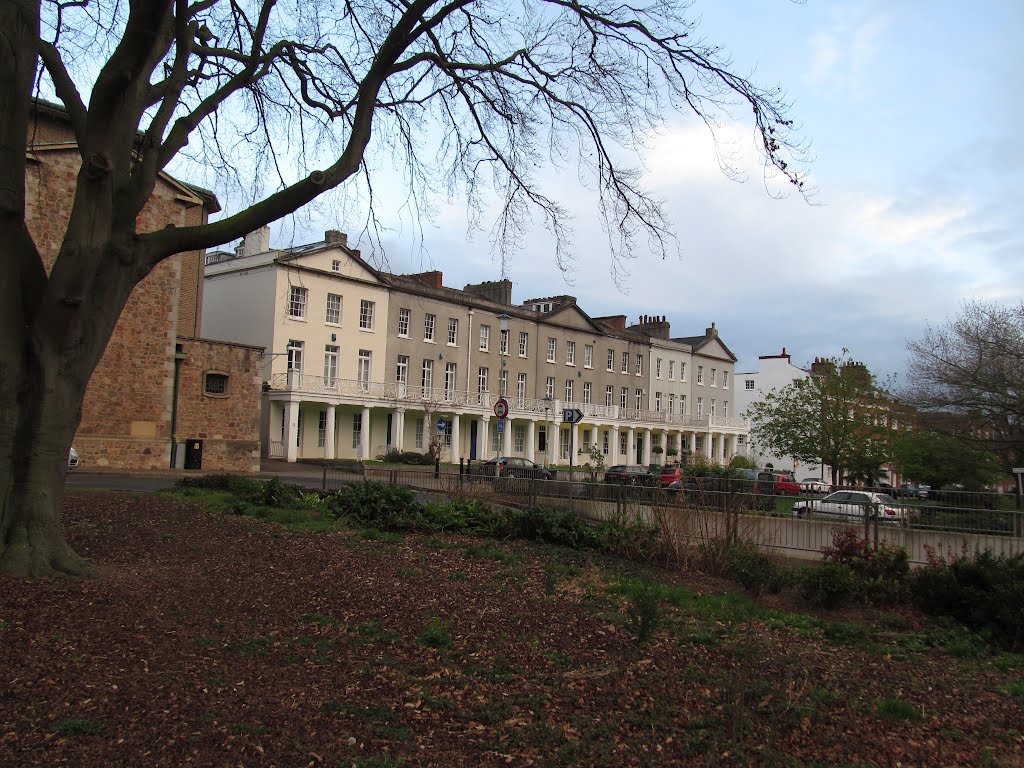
(24, 558)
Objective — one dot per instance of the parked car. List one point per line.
(630, 474)
(670, 475)
(911, 491)
(515, 466)
(72, 458)
(851, 504)
(776, 483)
(814, 485)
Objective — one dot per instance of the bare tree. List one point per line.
(967, 378)
(474, 95)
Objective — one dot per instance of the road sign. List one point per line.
(501, 408)
(499, 426)
(442, 425)
(572, 415)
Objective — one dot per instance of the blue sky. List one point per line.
(913, 115)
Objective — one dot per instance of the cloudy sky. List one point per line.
(913, 113)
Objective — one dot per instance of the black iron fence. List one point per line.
(945, 523)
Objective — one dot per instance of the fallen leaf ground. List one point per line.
(224, 641)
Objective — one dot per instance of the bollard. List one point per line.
(461, 468)
(437, 467)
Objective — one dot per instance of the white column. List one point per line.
(648, 435)
(291, 429)
(531, 438)
(693, 446)
(483, 451)
(399, 427)
(553, 438)
(574, 445)
(329, 448)
(456, 437)
(707, 449)
(506, 439)
(630, 446)
(364, 452)
(613, 449)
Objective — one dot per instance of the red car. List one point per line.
(670, 474)
(776, 483)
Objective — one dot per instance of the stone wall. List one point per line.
(126, 414)
(227, 424)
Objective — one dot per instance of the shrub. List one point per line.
(982, 591)
(643, 610)
(395, 456)
(754, 569)
(881, 572)
(556, 526)
(829, 585)
(375, 505)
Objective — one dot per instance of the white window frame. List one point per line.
(519, 438)
(671, 370)
(296, 348)
(657, 372)
(609, 395)
(427, 374)
(450, 374)
(485, 338)
(357, 429)
(419, 430)
(748, 385)
(625, 362)
(503, 382)
(332, 353)
(639, 399)
(366, 310)
(725, 379)
(453, 331)
(298, 297)
(588, 355)
(429, 322)
(700, 375)
(549, 387)
(552, 349)
(624, 397)
(482, 376)
(587, 392)
(333, 298)
(521, 385)
(569, 390)
(363, 370)
(700, 406)
(570, 353)
(524, 343)
(657, 401)
(402, 369)
(639, 365)
(610, 363)
(713, 377)
(503, 342)
(404, 316)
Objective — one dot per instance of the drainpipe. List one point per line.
(179, 357)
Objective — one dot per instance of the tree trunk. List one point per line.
(35, 439)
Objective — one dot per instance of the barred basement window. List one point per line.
(216, 384)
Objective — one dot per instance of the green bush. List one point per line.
(642, 607)
(829, 585)
(983, 592)
(395, 456)
(881, 572)
(376, 505)
(556, 526)
(755, 570)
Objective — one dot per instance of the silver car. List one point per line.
(852, 504)
(72, 458)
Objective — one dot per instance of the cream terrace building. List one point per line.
(406, 359)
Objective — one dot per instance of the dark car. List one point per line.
(630, 474)
(514, 466)
(911, 491)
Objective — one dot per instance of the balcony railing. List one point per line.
(397, 392)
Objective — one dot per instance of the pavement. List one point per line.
(309, 475)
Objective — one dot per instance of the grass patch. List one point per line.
(488, 551)
(376, 534)
(897, 710)
(79, 726)
(435, 634)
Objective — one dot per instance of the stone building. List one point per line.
(149, 391)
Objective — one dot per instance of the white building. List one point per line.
(774, 372)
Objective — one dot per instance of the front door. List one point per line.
(640, 449)
(472, 439)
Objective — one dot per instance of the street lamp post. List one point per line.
(547, 430)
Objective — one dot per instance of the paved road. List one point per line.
(304, 475)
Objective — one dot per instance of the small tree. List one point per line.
(837, 416)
